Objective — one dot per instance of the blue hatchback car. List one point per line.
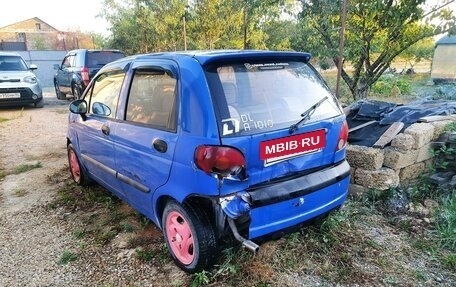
(212, 145)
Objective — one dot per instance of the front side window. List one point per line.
(66, 62)
(105, 94)
(151, 99)
(256, 97)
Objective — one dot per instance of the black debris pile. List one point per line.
(368, 120)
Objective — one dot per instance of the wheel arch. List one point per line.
(192, 200)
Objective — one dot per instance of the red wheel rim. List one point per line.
(74, 166)
(180, 237)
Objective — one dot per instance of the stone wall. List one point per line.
(404, 160)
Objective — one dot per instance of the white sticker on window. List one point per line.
(230, 126)
(248, 123)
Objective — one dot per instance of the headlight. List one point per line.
(30, 79)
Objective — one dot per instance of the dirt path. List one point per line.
(31, 242)
(31, 137)
(33, 236)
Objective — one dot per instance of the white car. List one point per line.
(19, 86)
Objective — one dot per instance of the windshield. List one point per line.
(262, 96)
(12, 63)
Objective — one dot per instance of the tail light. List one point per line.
(85, 75)
(221, 160)
(343, 136)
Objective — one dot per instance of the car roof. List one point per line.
(9, 54)
(95, 50)
(207, 56)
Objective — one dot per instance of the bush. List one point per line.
(391, 86)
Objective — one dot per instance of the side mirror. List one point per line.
(79, 107)
(101, 109)
(56, 66)
(33, 67)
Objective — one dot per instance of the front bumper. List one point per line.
(27, 96)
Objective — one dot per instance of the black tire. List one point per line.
(39, 104)
(193, 223)
(77, 93)
(59, 94)
(78, 173)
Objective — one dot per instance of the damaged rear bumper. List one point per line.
(291, 202)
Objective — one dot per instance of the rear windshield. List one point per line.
(100, 58)
(257, 97)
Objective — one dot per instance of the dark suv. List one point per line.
(77, 69)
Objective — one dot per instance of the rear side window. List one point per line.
(105, 94)
(152, 99)
(100, 58)
(256, 97)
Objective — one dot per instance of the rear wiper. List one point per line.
(306, 115)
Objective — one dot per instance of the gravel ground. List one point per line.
(31, 238)
(34, 237)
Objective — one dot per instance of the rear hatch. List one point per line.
(279, 113)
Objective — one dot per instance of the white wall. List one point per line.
(45, 61)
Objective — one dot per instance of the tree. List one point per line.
(210, 21)
(99, 41)
(239, 23)
(167, 24)
(421, 50)
(257, 15)
(39, 42)
(141, 26)
(376, 33)
(277, 34)
(127, 25)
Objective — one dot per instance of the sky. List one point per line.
(68, 15)
(64, 15)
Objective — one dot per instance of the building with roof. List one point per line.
(35, 34)
(30, 34)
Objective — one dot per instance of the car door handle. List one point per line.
(160, 145)
(105, 130)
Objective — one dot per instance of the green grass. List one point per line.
(201, 279)
(3, 120)
(450, 261)
(79, 233)
(391, 88)
(26, 167)
(20, 192)
(331, 250)
(145, 254)
(446, 223)
(66, 257)
(451, 127)
(20, 169)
